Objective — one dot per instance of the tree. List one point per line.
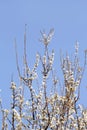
(45, 108)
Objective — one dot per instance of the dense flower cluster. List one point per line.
(43, 110)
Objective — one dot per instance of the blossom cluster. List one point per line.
(44, 108)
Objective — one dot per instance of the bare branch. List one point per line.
(17, 59)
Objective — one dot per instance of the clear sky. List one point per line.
(67, 17)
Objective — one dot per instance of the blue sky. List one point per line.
(67, 17)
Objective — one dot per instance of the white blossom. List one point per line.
(13, 85)
(47, 38)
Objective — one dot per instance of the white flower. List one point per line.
(6, 111)
(81, 107)
(13, 85)
(77, 46)
(44, 60)
(16, 115)
(47, 38)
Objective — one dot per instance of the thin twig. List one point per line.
(17, 59)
